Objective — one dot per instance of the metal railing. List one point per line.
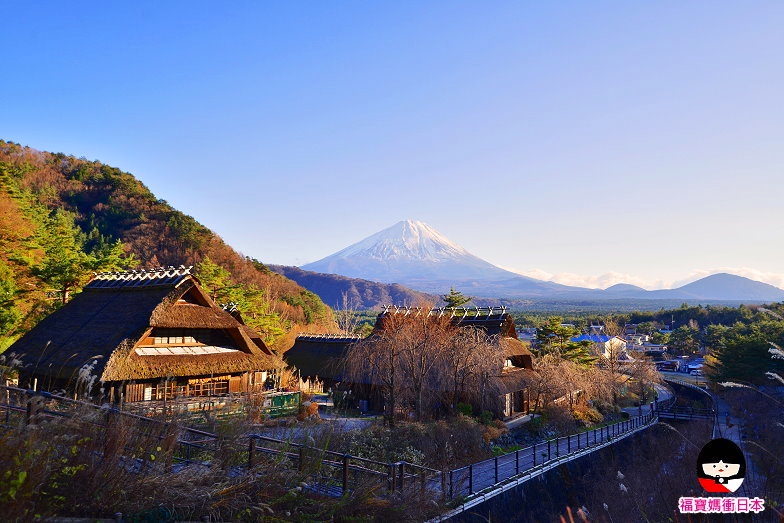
(686, 413)
(333, 472)
(467, 481)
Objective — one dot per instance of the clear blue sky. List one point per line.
(640, 138)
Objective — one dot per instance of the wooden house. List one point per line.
(321, 356)
(517, 372)
(144, 335)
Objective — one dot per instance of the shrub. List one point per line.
(493, 432)
(587, 415)
(465, 409)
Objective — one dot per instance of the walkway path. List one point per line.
(480, 481)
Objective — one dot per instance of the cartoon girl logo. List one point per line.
(721, 466)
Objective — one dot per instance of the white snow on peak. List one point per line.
(406, 240)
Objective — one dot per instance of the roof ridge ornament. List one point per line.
(140, 277)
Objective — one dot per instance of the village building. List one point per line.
(320, 357)
(144, 335)
(605, 345)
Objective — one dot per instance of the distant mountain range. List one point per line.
(413, 254)
(716, 287)
(359, 294)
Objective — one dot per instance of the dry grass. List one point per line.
(88, 468)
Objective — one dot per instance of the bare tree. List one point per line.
(377, 361)
(471, 364)
(346, 314)
(423, 362)
(622, 368)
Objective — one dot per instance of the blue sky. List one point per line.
(586, 142)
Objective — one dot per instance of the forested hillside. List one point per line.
(62, 217)
(354, 293)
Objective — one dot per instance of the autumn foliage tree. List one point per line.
(62, 217)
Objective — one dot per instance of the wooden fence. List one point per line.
(333, 473)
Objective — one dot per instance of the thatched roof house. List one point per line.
(321, 356)
(138, 328)
(496, 322)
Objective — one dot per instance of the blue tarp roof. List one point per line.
(593, 338)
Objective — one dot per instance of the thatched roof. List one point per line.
(102, 324)
(514, 379)
(494, 321)
(515, 347)
(320, 355)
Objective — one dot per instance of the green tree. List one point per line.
(684, 339)
(555, 337)
(742, 353)
(455, 298)
(217, 282)
(257, 309)
(9, 313)
(66, 264)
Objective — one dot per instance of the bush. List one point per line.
(308, 410)
(485, 417)
(559, 418)
(465, 409)
(441, 444)
(493, 432)
(587, 415)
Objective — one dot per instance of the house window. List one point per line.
(189, 337)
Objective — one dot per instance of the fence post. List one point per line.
(251, 451)
(345, 474)
(557, 448)
(548, 450)
(533, 451)
(391, 474)
(517, 462)
(451, 485)
(29, 411)
(470, 479)
(496, 469)
(568, 444)
(443, 484)
(8, 407)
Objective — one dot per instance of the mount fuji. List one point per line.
(413, 253)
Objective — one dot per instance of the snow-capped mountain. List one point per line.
(415, 254)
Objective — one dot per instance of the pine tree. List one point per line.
(743, 353)
(455, 298)
(66, 264)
